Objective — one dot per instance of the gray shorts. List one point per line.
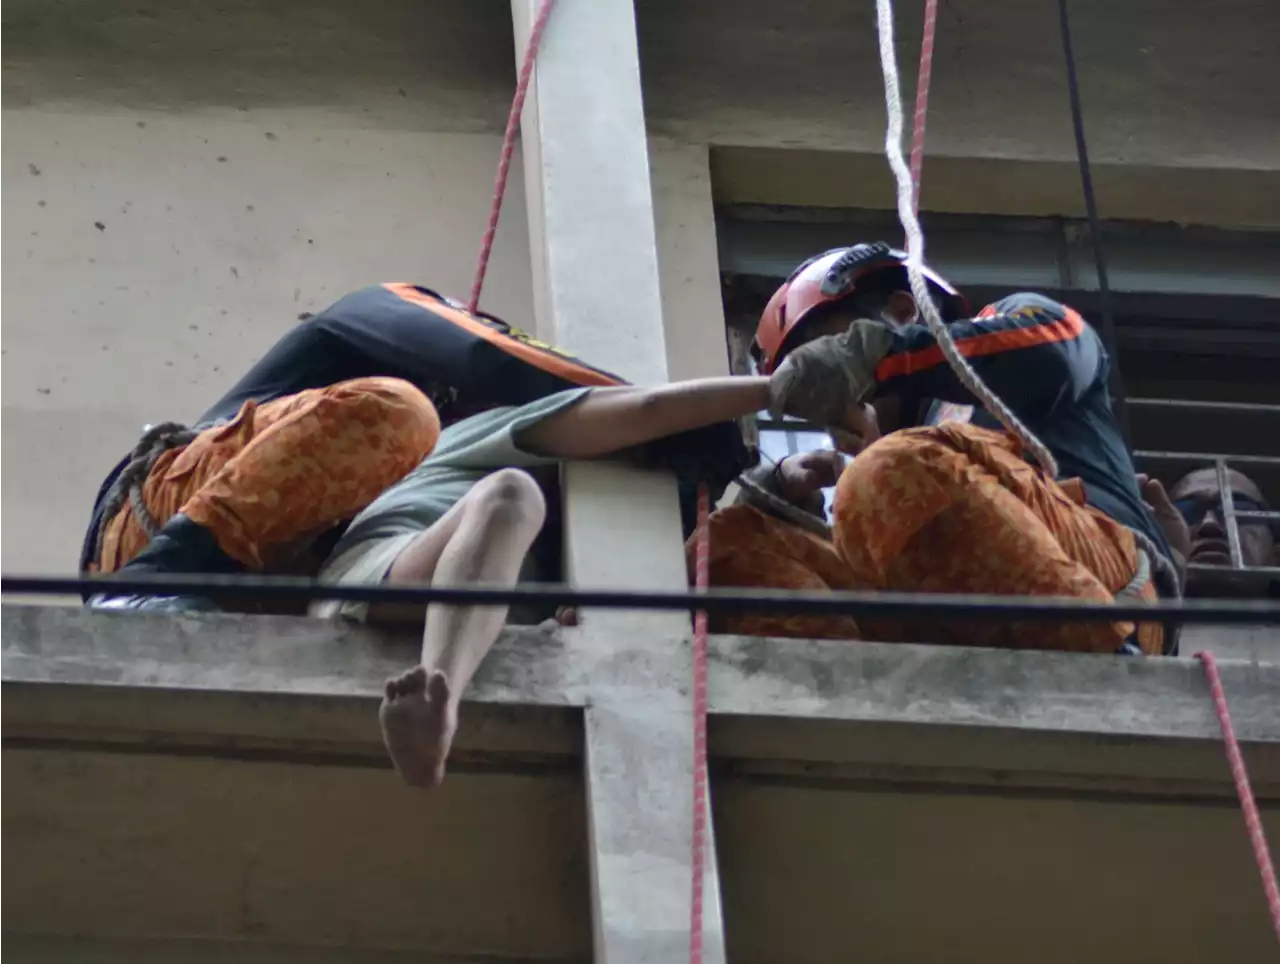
(363, 564)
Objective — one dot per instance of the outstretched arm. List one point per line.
(1031, 351)
(608, 420)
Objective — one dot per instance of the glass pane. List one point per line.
(777, 445)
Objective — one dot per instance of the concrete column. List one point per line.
(591, 222)
(688, 260)
(587, 176)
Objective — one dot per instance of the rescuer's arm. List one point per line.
(1029, 350)
(608, 420)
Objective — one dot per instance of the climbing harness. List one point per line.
(765, 499)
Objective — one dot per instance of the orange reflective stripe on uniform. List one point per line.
(517, 343)
(1070, 326)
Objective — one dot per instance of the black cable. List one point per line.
(715, 601)
(1116, 381)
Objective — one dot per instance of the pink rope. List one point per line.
(923, 79)
(1252, 821)
(508, 148)
(701, 580)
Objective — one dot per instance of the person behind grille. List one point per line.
(1193, 519)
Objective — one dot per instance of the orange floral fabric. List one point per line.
(955, 508)
(284, 472)
(750, 549)
(951, 509)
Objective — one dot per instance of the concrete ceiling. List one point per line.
(1159, 89)
(806, 74)
(440, 66)
(1182, 121)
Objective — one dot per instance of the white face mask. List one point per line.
(896, 323)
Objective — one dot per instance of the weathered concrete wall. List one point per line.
(150, 257)
(183, 181)
(1158, 87)
(1159, 84)
(218, 229)
(359, 144)
(182, 184)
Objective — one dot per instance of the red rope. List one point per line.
(701, 580)
(922, 97)
(1252, 821)
(508, 148)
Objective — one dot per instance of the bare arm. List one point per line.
(608, 420)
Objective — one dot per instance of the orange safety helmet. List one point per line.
(831, 277)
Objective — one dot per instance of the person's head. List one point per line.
(828, 292)
(1197, 498)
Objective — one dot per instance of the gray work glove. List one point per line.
(820, 381)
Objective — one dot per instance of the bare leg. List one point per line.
(483, 539)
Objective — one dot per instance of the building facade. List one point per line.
(184, 182)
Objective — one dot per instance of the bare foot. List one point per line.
(418, 722)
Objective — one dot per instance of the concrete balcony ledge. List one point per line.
(219, 779)
(287, 686)
(891, 713)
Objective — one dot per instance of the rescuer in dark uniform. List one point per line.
(343, 406)
(948, 503)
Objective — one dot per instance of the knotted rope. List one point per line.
(155, 441)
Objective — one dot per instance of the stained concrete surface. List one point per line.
(49, 949)
(818, 872)
(105, 844)
(1159, 88)
(906, 802)
(434, 66)
(806, 74)
(218, 230)
(248, 163)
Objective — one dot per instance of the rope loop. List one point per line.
(155, 441)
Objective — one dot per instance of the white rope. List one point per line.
(915, 251)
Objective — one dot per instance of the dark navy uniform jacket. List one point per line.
(1048, 364)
